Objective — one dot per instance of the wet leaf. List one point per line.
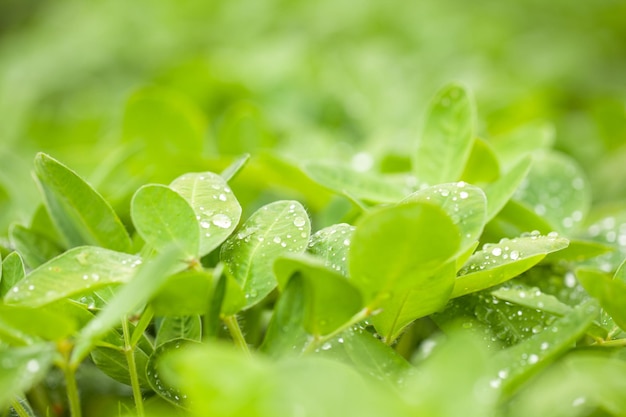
(395, 248)
(497, 263)
(216, 208)
(75, 271)
(332, 244)
(609, 292)
(447, 138)
(179, 327)
(43, 323)
(163, 217)
(81, 215)
(12, 272)
(113, 363)
(274, 230)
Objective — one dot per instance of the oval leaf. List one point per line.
(217, 210)
(332, 244)
(81, 214)
(276, 229)
(163, 217)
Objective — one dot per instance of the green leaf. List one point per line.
(522, 142)
(12, 272)
(532, 298)
(323, 287)
(274, 230)
(81, 215)
(482, 164)
(502, 190)
(235, 167)
(165, 390)
(146, 282)
(465, 204)
(185, 293)
(21, 368)
(286, 334)
(429, 294)
(332, 244)
(446, 141)
(163, 217)
(75, 271)
(179, 327)
(361, 185)
(513, 220)
(43, 323)
(113, 362)
(497, 263)
(556, 188)
(611, 293)
(518, 363)
(578, 251)
(35, 247)
(394, 248)
(216, 208)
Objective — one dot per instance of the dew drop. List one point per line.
(326, 346)
(514, 255)
(205, 224)
(496, 252)
(32, 366)
(221, 221)
(299, 222)
(276, 239)
(463, 195)
(222, 197)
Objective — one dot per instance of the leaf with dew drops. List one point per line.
(396, 248)
(82, 216)
(77, 270)
(163, 217)
(464, 203)
(23, 367)
(12, 272)
(499, 262)
(274, 230)
(447, 138)
(216, 208)
(179, 327)
(360, 185)
(332, 244)
(610, 292)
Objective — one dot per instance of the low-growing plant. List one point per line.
(471, 284)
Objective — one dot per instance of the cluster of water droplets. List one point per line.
(165, 390)
(332, 244)
(610, 230)
(215, 214)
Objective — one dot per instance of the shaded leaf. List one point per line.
(274, 230)
(216, 208)
(163, 217)
(113, 363)
(43, 323)
(80, 214)
(36, 248)
(75, 271)
(446, 140)
(611, 293)
(179, 327)
(185, 293)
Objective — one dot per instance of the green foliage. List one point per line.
(456, 282)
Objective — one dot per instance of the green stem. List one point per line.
(321, 339)
(613, 343)
(235, 332)
(72, 390)
(19, 408)
(129, 352)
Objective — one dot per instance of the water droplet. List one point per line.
(221, 220)
(205, 224)
(346, 242)
(31, 287)
(32, 366)
(326, 346)
(514, 255)
(569, 279)
(545, 345)
(222, 197)
(496, 252)
(533, 359)
(276, 239)
(463, 195)
(495, 383)
(579, 401)
(299, 221)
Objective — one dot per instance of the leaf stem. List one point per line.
(72, 390)
(321, 339)
(236, 333)
(129, 352)
(612, 343)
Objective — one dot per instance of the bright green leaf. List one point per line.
(75, 271)
(81, 215)
(332, 244)
(186, 293)
(497, 263)
(446, 141)
(216, 208)
(179, 327)
(482, 164)
(235, 167)
(274, 230)
(611, 293)
(502, 190)
(163, 217)
(395, 247)
(34, 247)
(40, 322)
(12, 272)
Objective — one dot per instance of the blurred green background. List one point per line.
(326, 79)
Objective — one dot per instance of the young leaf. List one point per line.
(82, 216)
(430, 294)
(394, 248)
(21, 368)
(446, 141)
(522, 142)
(36, 248)
(234, 168)
(611, 293)
(500, 191)
(274, 230)
(185, 293)
(332, 244)
(163, 217)
(216, 208)
(179, 327)
(12, 272)
(465, 204)
(497, 263)
(556, 188)
(532, 298)
(482, 164)
(518, 363)
(361, 185)
(323, 288)
(77, 270)
(146, 282)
